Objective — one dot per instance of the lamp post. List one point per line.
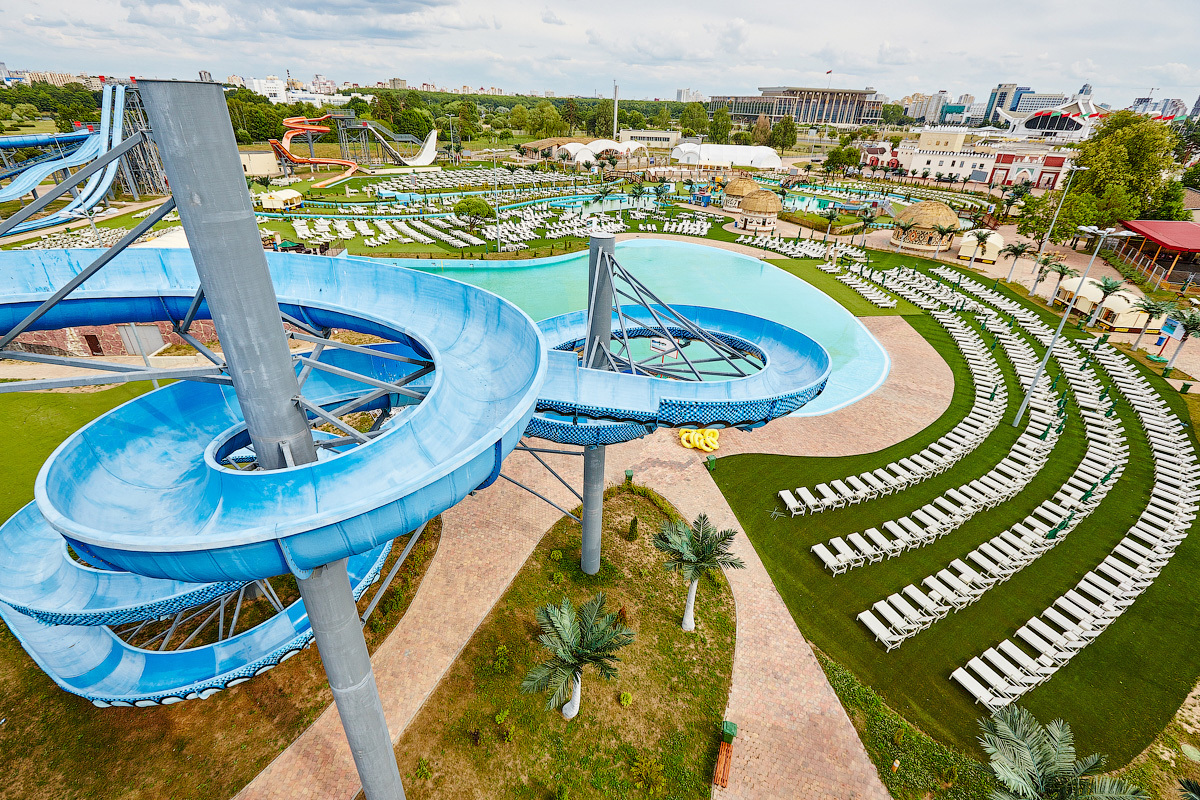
(1102, 233)
(1071, 170)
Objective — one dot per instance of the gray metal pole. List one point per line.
(600, 302)
(1061, 324)
(191, 126)
(334, 617)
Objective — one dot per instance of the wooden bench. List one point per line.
(724, 759)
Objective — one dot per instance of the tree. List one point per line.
(6, 111)
(1191, 177)
(759, 134)
(904, 227)
(695, 551)
(1016, 251)
(895, 141)
(832, 215)
(893, 114)
(570, 115)
(1130, 151)
(1168, 203)
(1108, 287)
(662, 118)
(1032, 761)
(1189, 789)
(1063, 272)
(1153, 309)
(635, 120)
(1043, 266)
(867, 219)
(473, 211)
(783, 134)
(980, 238)
(944, 232)
(519, 117)
(694, 116)
(600, 120)
(1189, 321)
(27, 111)
(718, 129)
(741, 137)
(575, 641)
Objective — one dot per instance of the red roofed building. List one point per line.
(1164, 250)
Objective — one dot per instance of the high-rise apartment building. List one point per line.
(205, 76)
(1000, 98)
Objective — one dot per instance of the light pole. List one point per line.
(1071, 170)
(1102, 233)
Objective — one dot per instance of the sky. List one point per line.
(717, 47)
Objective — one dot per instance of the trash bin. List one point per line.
(1187, 387)
(711, 463)
(629, 476)
(728, 731)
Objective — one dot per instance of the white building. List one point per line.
(1036, 101)
(656, 140)
(1071, 121)
(270, 87)
(235, 80)
(322, 85)
(946, 150)
(689, 96)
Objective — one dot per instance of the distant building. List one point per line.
(689, 96)
(931, 109)
(1085, 90)
(965, 99)
(270, 87)
(322, 85)
(1195, 108)
(655, 140)
(53, 78)
(205, 76)
(850, 107)
(948, 151)
(1036, 101)
(1000, 99)
(1167, 107)
(235, 80)
(397, 83)
(1071, 121)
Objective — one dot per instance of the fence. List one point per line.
(1149, 270)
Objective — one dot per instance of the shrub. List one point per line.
(949, 775)
(424, 771)
(898, 736)
(501, 716)
(556, 555)
(648, 776)
(557, 577)
(626, 699)
(633, 532)
(475, 735)
(507, 733)
(501, 663)
(562, 793)
(623, 616)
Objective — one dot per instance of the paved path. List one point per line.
(794, 738)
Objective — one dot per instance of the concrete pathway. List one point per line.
(795, 741)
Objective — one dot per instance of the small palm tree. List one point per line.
(1032, 761)
(661, 191)
(945, 234)
(637, 191)
(904, 227)
(1063, 272)
(1153, 309)
(1189, 789)
(1016, 251)
(832, 215)
(1189, 321)
(1108, 287)
(575, 640)
(980, 238)
(1041, 268)
(867, 219)
(695, 551)
(601, 193)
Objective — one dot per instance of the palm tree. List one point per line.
(1189, 320)
(601, 193)
(904, 227)
(637, 191)
(830, 214)
(1108, 287)
(1189, 789)
(575, 641)
(943, 231)
(964, 179)
(1041, 267)
(1031, 761)
(867, 219)
(980, 236)
(1153, 309)
(660, 191)
(694, 552)
(1063, 272)
(1016, 251)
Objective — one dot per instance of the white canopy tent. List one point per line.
(727, 155)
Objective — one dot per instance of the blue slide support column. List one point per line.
(601, 247)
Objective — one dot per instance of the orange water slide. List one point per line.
(297, 125)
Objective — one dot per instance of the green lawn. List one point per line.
(1118, 693)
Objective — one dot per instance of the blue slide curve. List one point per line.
(112, 117)
(141, 496)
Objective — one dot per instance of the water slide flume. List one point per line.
(299, 125)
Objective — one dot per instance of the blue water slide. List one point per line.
(93, 146)
(19, 140)
(20, 167)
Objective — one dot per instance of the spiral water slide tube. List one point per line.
(112, 117)
(144, 497)
(298, 125)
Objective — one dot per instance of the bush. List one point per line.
(648, 776)
(501, 716)
(424, 771)
(556, 555)
(626, 699)
(501, 663)
(557, 577)
(633, 531)
(562, 793)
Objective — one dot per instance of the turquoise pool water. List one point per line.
(700, 275)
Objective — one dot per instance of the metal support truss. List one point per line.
(412, 540)
(540, 496)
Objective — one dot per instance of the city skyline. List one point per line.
(572, 52)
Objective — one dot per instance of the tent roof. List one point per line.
(1173, 235)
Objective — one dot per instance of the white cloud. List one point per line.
(895, 56)
(550, 18)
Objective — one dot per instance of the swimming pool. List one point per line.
(699, 275)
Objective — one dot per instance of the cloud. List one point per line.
(550, 18)
(895, 56)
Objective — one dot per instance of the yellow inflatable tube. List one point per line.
(706, 439)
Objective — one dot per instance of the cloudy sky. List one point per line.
(1121, 48)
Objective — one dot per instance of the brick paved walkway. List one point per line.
(795, 740)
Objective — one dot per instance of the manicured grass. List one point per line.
(57, 745)
(855, 303)
(1118, 693)
(679, 682)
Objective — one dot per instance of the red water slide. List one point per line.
(296, 125)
